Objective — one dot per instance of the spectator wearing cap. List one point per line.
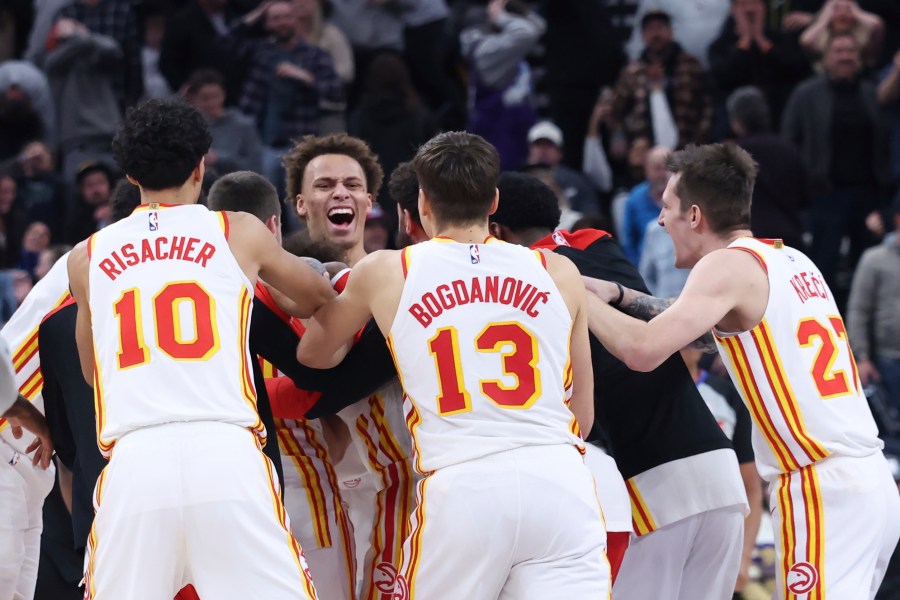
(835, 121)
(873, 317)
(235, 141)
(545, 149)
(781, 192)
(663, 94)
(644, 203)
(748, 52)
(94, 182)
(501, 89)
(696, 24)
(82, 67)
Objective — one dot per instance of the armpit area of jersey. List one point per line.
(366, 368)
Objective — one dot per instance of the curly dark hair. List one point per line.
(526, 202)
(125, 198)
(403, 188)
(160, 142)
(310, 147)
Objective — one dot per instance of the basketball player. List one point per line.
(487, 338)
(836, 511)
(311, 494)
(687, 523)
(333, 180)
(164, 299)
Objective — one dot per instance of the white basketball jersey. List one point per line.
(795, 370)
(481, 342)
(21, 334)
(171, 308)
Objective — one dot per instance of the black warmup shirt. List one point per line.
(647, 419)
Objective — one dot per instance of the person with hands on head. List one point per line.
(835, 506)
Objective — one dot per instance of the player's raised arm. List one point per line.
(257, 250)
(78, 285)
(568, 280)
(330, 331)
(713, 291)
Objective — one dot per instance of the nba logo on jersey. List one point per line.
(153, 220)
(560, 239)
(474, 255)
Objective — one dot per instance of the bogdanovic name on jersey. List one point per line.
(162, 248)
(490, 289)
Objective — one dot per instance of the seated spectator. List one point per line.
(545, 148)
(94, 182)
(696, 24)
(33, 83)
(35, 241)
(873, 316)
(748, 52)
(568, 215)
(834, 121)
(501, 106)
(19, 122)
(781, 192)
(82, 67)
(288, 81)
(644, 203)
(48, 258)
(190, 43)
(235, 142)
(11, 227)
(839, 17)
(392, 119)
(41, 191)
(664, 94)
(889, 99)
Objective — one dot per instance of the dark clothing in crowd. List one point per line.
(118, 19)
(774, 72)
(781, 192)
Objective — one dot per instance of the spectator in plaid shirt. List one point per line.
(288, 80)
(116, 19)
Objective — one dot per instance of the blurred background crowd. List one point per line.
(587, 95)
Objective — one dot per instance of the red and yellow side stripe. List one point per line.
(758, 411)
(784, 395)
(248, 391)
(282, 518)
(89, 590)
(410, 566)
(802, 520)
(315, 495)
(640, 514)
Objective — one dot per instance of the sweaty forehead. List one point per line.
(333, 166)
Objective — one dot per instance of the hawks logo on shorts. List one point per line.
(802, 578)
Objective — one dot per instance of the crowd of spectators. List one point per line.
(588, 95)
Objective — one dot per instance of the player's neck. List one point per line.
(354, 255)
(717, 242)
(186, 194)
(529, 237)
(464, 234)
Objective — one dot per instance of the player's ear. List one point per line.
(301, 207)
(695, 216)
(495, 230)
(495, 202)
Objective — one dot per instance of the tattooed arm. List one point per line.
(641, 306)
